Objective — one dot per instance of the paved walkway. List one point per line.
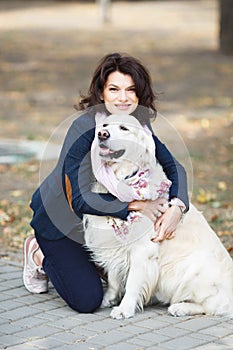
(44, 321)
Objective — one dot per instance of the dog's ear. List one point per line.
(148, 142)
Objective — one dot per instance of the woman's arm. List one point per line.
(174, 171)
(166, 224)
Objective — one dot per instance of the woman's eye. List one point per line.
(122, 127)
(113, 89)
(132, 89)
(105, 125)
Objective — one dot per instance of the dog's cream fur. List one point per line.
(193, 272)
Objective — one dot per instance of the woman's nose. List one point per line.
(123, 96)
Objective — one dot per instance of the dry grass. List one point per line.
(48, 53)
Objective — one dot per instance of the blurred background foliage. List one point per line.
(49, 50)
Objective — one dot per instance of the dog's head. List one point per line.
(122, 138)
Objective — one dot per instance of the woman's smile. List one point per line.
(123, 107)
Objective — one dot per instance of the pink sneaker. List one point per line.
(34, 277)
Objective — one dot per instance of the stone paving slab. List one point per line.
(44, 321)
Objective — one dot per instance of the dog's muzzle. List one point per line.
(106, 152)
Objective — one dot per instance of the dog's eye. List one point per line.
(105, 125)
(122, 127)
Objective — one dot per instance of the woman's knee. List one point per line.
(84, 297)
(86, 301)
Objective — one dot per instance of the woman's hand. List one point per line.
(152, 209)
(167, 223)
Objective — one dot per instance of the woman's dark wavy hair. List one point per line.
(127, 65)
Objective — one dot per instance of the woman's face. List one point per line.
(119, 94)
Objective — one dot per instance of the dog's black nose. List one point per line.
(103, 135)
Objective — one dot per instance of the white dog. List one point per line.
(192, 272)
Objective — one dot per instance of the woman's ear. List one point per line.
(101, 96)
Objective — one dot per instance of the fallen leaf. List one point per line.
(205, 123)
(222, 185)
(216, 204)
(214, 217)
(4, 218)
(16, 193)
(7, 230)
(205, 196)
(224, 233)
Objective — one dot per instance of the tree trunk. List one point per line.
(105, 10)
(226, 26)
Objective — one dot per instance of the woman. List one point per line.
(120, 84)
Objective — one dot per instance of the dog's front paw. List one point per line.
(177, 310)
(119, 313)
(110, 298)
(108, 302)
